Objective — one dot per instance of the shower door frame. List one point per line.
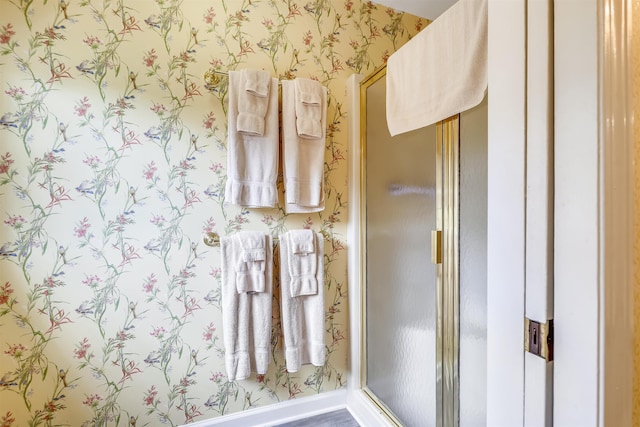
(447, 268)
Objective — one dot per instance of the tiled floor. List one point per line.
(341, 418)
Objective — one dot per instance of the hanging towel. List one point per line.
(441, 71)
(250, 270)
(308, 102)
(302, 316)
(246, 316)
(253, 101)
(303, 158)
(303, 263)
(252, 160)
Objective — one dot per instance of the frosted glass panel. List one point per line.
(473, 266)
(401, 280)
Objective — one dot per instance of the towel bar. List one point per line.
(213, 239)
(213, 77)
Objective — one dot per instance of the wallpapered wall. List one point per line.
(112, 165)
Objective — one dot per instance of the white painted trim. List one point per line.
(577, 259)
(282, 412)
(353, 231)
(506, 213)
(617, 213)
(360, 406)
(538, 378)
(364, 412)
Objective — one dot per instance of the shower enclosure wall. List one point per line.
(423, 266)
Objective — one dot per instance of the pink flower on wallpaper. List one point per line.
(216, 63)
(207, 335)
(149, 58)
(208, 17)
(268, 23)
(16, 350)
(82, 106)
(5, 293)
(216, 273)
(7, 420)
(216, 376)
(158, 220)
(91, 161)
(92, 41)
(5, 162)
(308, 223)
(80, 230)
(91, 281)
(348, 5)
(80, 352)
(6, 33)
(209, 225)
(159, 109)
(149, 283)
(15, 221)
(92, 400)
(16, 93)
(209, 120)
(307, 38)
(158, 332)
(150, 396)
(216, 167)
(149, 170)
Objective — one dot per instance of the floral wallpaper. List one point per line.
(112, 166)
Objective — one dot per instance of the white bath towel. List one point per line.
(253, 101)
(246, 316)
(308, 104)
(252, 160)
(302, 316)
(303, 158)
(250, 269)
(303, 263)
(440, 72)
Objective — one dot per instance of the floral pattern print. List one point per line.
(112, 167)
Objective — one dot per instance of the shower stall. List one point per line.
(423, 265)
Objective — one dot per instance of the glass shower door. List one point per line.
(400, 211)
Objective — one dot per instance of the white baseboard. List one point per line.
(282, 412)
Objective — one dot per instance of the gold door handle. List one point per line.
(436, 246)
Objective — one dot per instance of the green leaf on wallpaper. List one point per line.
(44, 246)
(45, 121)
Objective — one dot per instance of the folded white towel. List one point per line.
(303, 158)
(303, 263)
(302, 316)
(257, 82)
(441, 71)
(252, 160)
(246, 317)
(250, 270)
(302, 241)
(253, 101)
(308, 103)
